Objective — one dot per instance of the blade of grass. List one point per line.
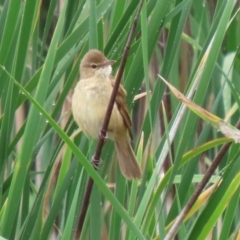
(31, 134)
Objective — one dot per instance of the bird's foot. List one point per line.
(103, 136)
(96, 162)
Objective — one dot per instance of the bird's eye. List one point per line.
(94, 66)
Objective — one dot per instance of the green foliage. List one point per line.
(44, 171)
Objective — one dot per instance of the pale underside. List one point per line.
(90, 104)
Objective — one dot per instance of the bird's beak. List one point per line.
(107, 63)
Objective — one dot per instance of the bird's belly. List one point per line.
(89, 109)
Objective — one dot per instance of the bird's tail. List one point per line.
(127, 159)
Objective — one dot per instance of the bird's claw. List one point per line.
(96, 162)
(102, 136)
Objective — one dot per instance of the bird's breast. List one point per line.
(89, 105)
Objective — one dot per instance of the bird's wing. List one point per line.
(122, 107)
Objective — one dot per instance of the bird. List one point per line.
(89, 105)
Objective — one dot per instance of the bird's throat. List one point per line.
(104, 72)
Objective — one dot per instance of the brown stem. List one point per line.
(104, 128)
(172, 232)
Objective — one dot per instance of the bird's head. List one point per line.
(94, 63)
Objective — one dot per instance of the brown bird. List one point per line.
(89, 104)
